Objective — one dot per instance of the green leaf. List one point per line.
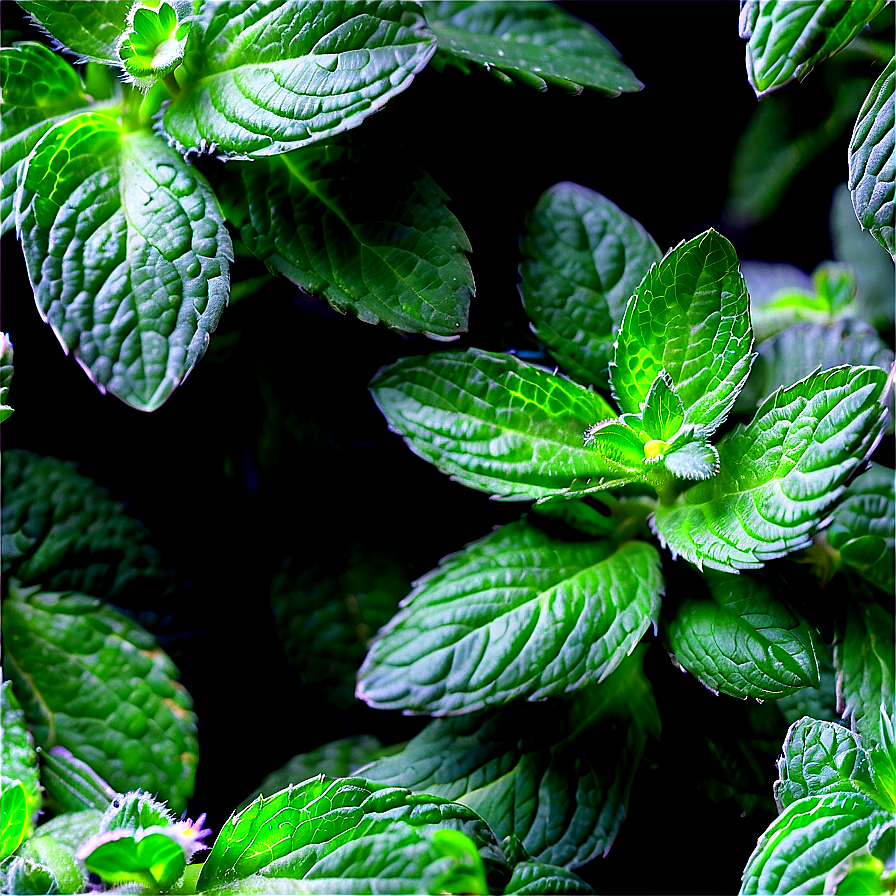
(690, 317)
(555, 775)
(663, 414)
(864, 659)
(149, 856)
(692, 460)
(344, 834)
(745, 641)
(71, 829)
(619, 449)
(517, 613)
(91, 31)
(534, 878)
(367, 229)
(530, 43)
(809, 839)
(265, 78)
(72, 785)
(6, 372)
(25, 876)
(582, 259)
(860, 873)
(96, 683)
(872, 168)
(780, 474)
(17, 757)
(787, 40)
(578, 515)
(14, 820)
(495, 423)
(138, 314)
(154, 44)
(40, 89)
(468, 874)
(62, 530)
(818, 703)
(864, 531)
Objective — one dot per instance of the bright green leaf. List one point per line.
(745, 641)
(17, 757)
(495, 423)
(91, 30)
(620, 450)
(534, 878)
(663, 414)
(517, 613)
(690, 317)
(582, 259)
(872, 166)
(72, 785)
(149, 856)
(138, 313)
(860, 873)
(25, 876)
(780, 474)
(468, 874)
(788, 38)
(555, 775)
(265, 78)
(365, 228)
(14, 819)
(154, 44)
(96, 683)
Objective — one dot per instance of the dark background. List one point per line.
(273, 446)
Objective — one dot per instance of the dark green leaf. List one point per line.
(368, 230)
(555, 775)
(690, 317)
(40, 89)
(578, 515)
(532, 878)
(786, 40)
(72, 785)
(582, 259)
(62, 530)
(496, 423)
(515, 614)
(745, 641)
(14, 819)
(780, 474)
(872, 167)
(90, 31)
(96, 683)
(818, 703)
(265, 78)
(149, 857)
(6, 372)
(17, 757)
(531, 43)
(138, 314)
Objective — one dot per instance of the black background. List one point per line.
(229, 485)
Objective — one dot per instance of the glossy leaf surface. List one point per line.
(153, 859)
(531, 878)
(779, 474)
(496, 424)
(265, 78)
(517, 613)
(582, 259)
(127, 253)
(18, 760)
(368, 230)
(91, 31)
(72, 785)
(14, 821)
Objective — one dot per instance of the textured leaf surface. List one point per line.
(328, 829)
(818, 703)
(20, 875)
(807, 840)
(786, 39)
(17, 757)
(269, 77)
(496, 424)
(690, 317)
(556, 775)
(864, 659)
(40, 89)
(780, 474)
(72, 785)
(94, 682)
(515, 614)
(872, 166)
(531, 878)
(60, 529)
(90, 30)
(692, 460)
(530, 43)
(663, 413)
(127, 253)
(368, 230)
(745, 641)
(582, 259)
(619, 447)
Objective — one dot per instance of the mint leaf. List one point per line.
(861, 872)
(745, 641)
(19, 875)
(582, 259)
(90, 31)
(61, 530)
(533, 878)
(818, 703)
(692, 460)
(14, 819)
(872, 168)
(535, 44)
(787, 40)
(365, 228)
(149, 857)
(780, 474)
(138, 314)
(265, 78)
(619, 449)
(96, 683)
(40, 89)
(690, 317)
(495, 423)
(555, 775)
(154, 44)
(72, 785)
(6, 373)
(540, 616)
(864, 659)
(578, 515)
(863, 527)
(663, 414)
(17, 757)
(330, 830)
